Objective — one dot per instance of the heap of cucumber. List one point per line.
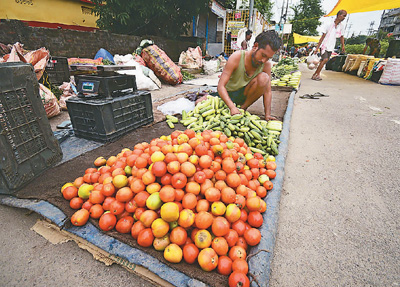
(213, 114)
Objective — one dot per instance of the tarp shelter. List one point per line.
(352, 6)
(300, 39)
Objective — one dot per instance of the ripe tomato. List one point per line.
(255, 219)
(76, 203)
(237, 252)
(190, 253)
(178, 235)
(107, 221)
(136, 228)
(208, 259)
(238, 279)
(239, 226)
(240, 265)
(145, 237)
(80, 217)
(124, 225)
(117, 207)
(252, 236)
(220, 226)
(220, 245)
(70, 192)
(224, 265)
(96, 211)
(231, 237)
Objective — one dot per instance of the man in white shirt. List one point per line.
(328, 40)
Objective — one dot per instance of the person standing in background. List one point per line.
(245, 43)
(374, 47)
(328, 40)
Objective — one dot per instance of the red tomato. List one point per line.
(190, 253)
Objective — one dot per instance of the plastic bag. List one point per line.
(143, 82)
(104, 54)
(68, 92)
(177, 106)
(37, 58)
(49, 101)
(191, 59)
(210, 67)
(312, 59)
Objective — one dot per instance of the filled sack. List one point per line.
(391, 73)
(164, 68)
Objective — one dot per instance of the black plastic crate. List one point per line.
(338, 63)
(105, 120)
(57, 70)
(27, 144)
(106, 86)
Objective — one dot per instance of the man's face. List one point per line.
(248, 37)
(342, 16)
(260, 56)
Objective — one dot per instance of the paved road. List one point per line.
(339, 219)
(339, 216)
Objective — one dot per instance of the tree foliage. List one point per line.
(306, 17)
(143, 17)
(360, 39)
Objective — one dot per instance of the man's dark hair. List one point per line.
(340, 12)
(249, 32)
(270, 38)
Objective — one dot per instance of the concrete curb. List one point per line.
(259, 264)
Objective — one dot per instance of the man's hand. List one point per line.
(269, 118)
(234, 111)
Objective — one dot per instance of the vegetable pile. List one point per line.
(289, 80)
(261, 136)
(196, 197)
(286, 73)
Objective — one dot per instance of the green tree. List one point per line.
(265, 8)
(306, 17)
(360, 39)
(170, 18)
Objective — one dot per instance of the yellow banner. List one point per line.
(300, 39)
(352, 6)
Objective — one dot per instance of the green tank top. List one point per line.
(239, 78)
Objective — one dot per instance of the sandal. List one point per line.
(317, 79)
(319, 95)
(308, 96)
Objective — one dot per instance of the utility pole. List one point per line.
(371, 28)
(251, 14)
(348, 30)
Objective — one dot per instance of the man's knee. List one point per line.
(262, 80)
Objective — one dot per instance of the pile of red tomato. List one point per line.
(195, 197)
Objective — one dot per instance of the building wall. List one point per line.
(67, 12)
(71, 43)
(390, 22)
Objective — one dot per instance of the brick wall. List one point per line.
(70, 43)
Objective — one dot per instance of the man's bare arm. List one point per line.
(231, 65)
